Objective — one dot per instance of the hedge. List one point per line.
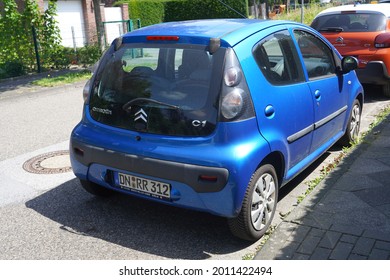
(156, 11)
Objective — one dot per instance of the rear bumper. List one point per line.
(188, 174)
(187, 189)
(374, 73)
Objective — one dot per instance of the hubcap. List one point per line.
(355, 122)
(263, 201)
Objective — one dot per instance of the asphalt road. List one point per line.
(49, 216)
(34, 118)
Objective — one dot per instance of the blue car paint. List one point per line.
(261, 89)
(240, 157)
(239, 147)
(258, 84)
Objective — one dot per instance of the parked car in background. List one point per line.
(214, 115)
(362, 31)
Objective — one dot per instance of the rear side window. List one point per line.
(350, 22)
(277, 58)
(160, 90)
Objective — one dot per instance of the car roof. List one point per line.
(230, 31)
(383, 8)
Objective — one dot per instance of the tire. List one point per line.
(352, 132)
(95, 189)
(259, 205)
(386, 90)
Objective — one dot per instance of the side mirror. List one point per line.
(349, 63)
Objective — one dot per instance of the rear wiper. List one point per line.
(332, 29)
(127, 106)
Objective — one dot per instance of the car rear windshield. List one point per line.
(350, 22)
(160, 89)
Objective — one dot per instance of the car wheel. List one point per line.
(259, 205)
(386, 90)
(352, 133)
(95, 189)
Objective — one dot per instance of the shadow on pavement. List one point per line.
(373, 93)
(137, 224)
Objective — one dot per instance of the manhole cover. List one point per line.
(49, 163)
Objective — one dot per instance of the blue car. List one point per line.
(214, 115)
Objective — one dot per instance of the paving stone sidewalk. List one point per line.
(347, 216)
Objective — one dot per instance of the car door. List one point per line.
(327, 88)
(282, 98)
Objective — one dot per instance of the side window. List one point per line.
(178, 59)
(278, 59)
(317, 56)
(146, 58)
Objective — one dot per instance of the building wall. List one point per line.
(89, 17)
(71, 22)
(90, 23)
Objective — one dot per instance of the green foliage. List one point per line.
(49, 37)
(17, 43)
(12, 39)
(149, 11)
(89, 54)
(156, 11)
(11, 69)
(308, 13)
(203, 9)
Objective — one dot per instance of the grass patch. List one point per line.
(68, 78)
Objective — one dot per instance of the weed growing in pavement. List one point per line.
(263, 240)
(379, 118)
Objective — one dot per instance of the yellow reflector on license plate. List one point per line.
(144, 186)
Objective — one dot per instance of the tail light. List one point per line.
(236, 103)
(382, 40)
(86, 90)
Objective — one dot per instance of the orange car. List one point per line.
(362, 31)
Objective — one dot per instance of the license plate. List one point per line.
(145, 186)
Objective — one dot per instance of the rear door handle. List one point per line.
(317, 94)
(269, 111)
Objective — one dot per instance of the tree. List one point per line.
(17, 32)
(99, 26)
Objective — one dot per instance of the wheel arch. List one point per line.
(360, 97)
(276, 159)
